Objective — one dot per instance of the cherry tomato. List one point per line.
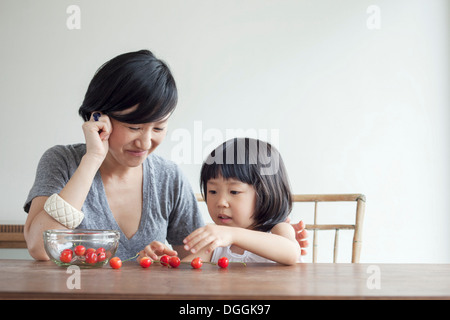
(89, 251)
(197, 263)
(145, 262)
(115, 263)
(174, 262)
(80, 250)
(165, 260)
(91, 258)
(101, 256)
(223, 262)
(66, 256)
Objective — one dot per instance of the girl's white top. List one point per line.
(246, 257)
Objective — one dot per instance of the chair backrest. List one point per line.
(360, 201)
(11, 236)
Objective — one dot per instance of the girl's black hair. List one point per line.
(134, 78)
(256, 163)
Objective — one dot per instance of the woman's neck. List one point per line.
(111, 169)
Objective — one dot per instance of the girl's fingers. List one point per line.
(213, 246)
(191, 243)
(194, 234)
(192, 239)
(202, 243)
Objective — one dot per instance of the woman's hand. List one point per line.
(156, 249)
(96, 132)
(301, 235)
(209, 237)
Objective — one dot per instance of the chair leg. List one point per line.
(357, 237)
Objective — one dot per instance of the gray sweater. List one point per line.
(170, 211)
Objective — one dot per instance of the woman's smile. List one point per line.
(137, 153)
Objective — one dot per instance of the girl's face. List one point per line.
(130, 144)
(230, 202)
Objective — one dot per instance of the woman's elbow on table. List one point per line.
(35, 241)
(35, 246)
(37, 254)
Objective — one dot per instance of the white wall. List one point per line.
(353, 109)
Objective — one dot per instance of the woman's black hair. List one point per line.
(256, 163)
(134, 78)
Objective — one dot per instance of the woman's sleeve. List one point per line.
(186, 215)
(52, 174)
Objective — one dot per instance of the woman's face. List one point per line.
(130, 144)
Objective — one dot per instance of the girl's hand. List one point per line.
(96, 132)
(156, 249)
(209, 237)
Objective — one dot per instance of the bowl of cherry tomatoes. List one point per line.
(81, 247)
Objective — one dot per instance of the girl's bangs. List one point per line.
(241, 172)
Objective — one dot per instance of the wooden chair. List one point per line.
(360, 200)
(11, 236)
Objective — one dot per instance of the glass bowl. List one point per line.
(81, 247)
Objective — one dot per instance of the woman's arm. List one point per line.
(76, 189)
(39, 220)
(279, 246)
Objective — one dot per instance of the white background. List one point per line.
(356, 109)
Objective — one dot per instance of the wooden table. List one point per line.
(24, 279)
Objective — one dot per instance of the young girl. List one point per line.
(246, 189)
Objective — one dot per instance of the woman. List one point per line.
(114, 180)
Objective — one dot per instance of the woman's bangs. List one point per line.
(153, 109)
